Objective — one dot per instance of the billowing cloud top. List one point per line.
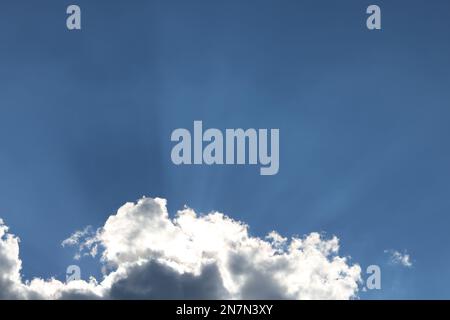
(151, 256)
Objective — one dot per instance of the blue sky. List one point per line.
(86, 118)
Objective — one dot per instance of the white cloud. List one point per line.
(396, 257)
(10, 264)
(77, 236)
(78, 239)
(190, 256)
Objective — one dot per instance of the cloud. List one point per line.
(78, 239)
(399, 258)
(10, 264)
(150, 255)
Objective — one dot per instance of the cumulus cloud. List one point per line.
(10, 263)
(398, 258)
(150, 255)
